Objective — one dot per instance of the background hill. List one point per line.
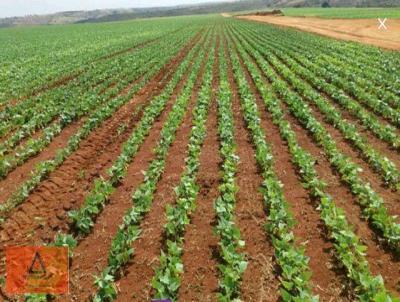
(105, 15)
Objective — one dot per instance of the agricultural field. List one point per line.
(202, 158)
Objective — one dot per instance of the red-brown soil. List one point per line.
(21, 173)
(358, 30)
(381, 260)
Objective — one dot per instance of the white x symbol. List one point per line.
(382, 23)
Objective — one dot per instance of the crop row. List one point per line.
(76, 108)
(347, 67)
(34, 56)
(37, 111)
(102, 189)
(233, 262)
(35, 145)
(377, 64)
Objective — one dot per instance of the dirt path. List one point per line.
(358, 30)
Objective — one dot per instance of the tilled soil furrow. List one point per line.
(136, 283)
(16, 177)
(107, 223)
(309, 232)
(259, 282)
(41, 131)
(90, 161)
(22, 172)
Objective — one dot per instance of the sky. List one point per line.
(10, 8)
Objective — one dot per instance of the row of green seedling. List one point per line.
(76, 106)
(41, 56)
(373, 103)
(312, 74)
(102, 189)
(295, 273)
(356, 73)
(379, 62)
(233, 262)
(35, 145)
(36, 112)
